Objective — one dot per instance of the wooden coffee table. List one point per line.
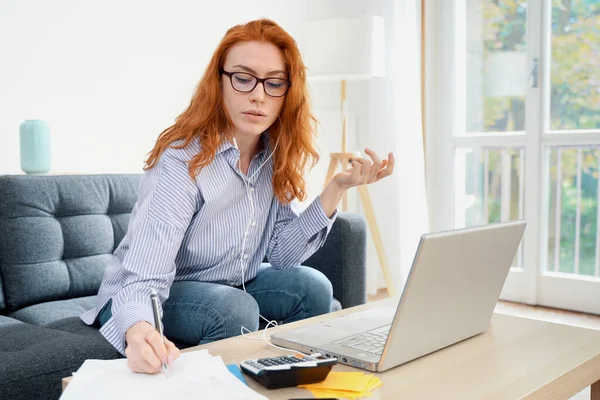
(515, 358)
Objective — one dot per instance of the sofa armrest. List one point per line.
(343, 259)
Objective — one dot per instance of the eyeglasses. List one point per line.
(245, 83)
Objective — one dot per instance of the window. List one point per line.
(524, 143)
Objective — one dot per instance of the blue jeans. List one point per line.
(199, 312)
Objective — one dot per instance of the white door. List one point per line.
(524, 77)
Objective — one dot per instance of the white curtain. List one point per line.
(400, 201)
(384, 115)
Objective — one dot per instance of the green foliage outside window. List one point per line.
(574, 105)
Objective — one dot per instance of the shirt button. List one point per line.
(245, 256)
(252, 189)
(253, 223)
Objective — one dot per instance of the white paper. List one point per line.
(193, 375)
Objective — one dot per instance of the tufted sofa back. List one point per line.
(57, 234)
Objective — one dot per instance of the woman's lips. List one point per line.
(253, 117)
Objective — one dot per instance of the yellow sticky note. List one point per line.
(345, 381)
(341, 394)
(374, 383)
(322, 394)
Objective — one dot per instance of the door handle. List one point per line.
(534, 73)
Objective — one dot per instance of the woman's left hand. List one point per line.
(365, 171)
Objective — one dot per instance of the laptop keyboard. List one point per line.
(371, 341)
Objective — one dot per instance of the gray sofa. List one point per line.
(56, 236)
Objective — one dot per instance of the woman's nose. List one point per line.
(258, 94)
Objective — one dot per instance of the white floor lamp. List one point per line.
(341, 50)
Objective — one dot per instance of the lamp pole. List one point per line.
(344, 127)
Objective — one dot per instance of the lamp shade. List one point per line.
(345, 48)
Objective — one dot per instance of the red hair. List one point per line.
(206, 117)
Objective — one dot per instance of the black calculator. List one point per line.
(286, 371)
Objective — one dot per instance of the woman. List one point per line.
(219, 195)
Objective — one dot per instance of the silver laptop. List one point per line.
(450, 295)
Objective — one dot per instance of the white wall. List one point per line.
(109, 76)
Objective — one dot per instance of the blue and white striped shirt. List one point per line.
(185, 230)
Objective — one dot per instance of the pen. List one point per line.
(157, 321)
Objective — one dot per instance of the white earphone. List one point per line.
(249, 193)
(247, 182)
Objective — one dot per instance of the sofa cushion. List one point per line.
(2, 302)
(57, 234)
(7, 321)
(34, 359)
(336, 305)
(52, 311)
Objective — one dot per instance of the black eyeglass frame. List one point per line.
(258, 80)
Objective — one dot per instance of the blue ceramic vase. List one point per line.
(35, 146)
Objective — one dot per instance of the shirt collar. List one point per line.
(226, 144)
